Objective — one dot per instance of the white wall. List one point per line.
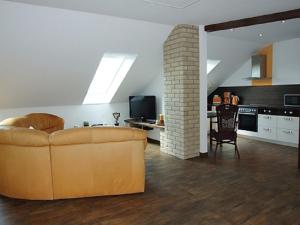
(75, 115)
(203, 89)
(49, 56)
(286, 62)
(286, 66)
(156, 87)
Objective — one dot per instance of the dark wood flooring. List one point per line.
(263, 188)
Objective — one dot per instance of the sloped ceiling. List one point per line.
(235, 47)
(49, 56)
(233, 53)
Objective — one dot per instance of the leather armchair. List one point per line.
(40, 121)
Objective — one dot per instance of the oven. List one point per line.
(248, 119)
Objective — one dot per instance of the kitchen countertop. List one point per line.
(275, 109)
(267, 106)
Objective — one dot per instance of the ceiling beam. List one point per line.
(292, 14)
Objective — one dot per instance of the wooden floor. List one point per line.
(263, 188)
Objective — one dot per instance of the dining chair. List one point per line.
(227, 127)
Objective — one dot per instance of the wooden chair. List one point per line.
(227, 127)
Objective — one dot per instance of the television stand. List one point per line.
(150, 121)
(143, 125)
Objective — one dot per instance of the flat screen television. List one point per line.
(142, 108)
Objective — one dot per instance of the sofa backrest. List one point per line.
(88, 135)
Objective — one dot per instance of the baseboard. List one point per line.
(268, 140)
(152, 141)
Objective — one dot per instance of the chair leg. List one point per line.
(237, 150)
(216, 150)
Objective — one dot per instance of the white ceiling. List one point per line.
(271, 32)
(174, 11)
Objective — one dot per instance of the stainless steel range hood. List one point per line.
(258, 70)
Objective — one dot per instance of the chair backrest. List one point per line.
(227, 118)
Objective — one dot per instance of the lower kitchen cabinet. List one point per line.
(267, 120)
(288, 122)
(288, 135)
(267, 132)
(279, 128)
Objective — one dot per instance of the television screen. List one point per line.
(142, 107)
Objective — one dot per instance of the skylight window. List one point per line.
(110, 73)
(211, 64)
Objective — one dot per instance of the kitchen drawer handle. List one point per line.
(267, 117)
(287, 131)
(268, 129)
(288, 118)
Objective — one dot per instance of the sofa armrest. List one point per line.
(20, 121)
(23, 137)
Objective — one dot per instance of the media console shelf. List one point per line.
(142, 125)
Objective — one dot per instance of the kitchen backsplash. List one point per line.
(265, 95)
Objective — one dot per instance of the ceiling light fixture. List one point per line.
(260, 34)
(282, 21)
(176, 4)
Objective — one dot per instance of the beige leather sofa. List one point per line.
(72, 163)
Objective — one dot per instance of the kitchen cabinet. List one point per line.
(267, 126)
(288, 122)
(267, 120)
(288, 129)
(267, 132)
(275, 128)
(288, 135)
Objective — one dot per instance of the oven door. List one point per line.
(248, 122)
